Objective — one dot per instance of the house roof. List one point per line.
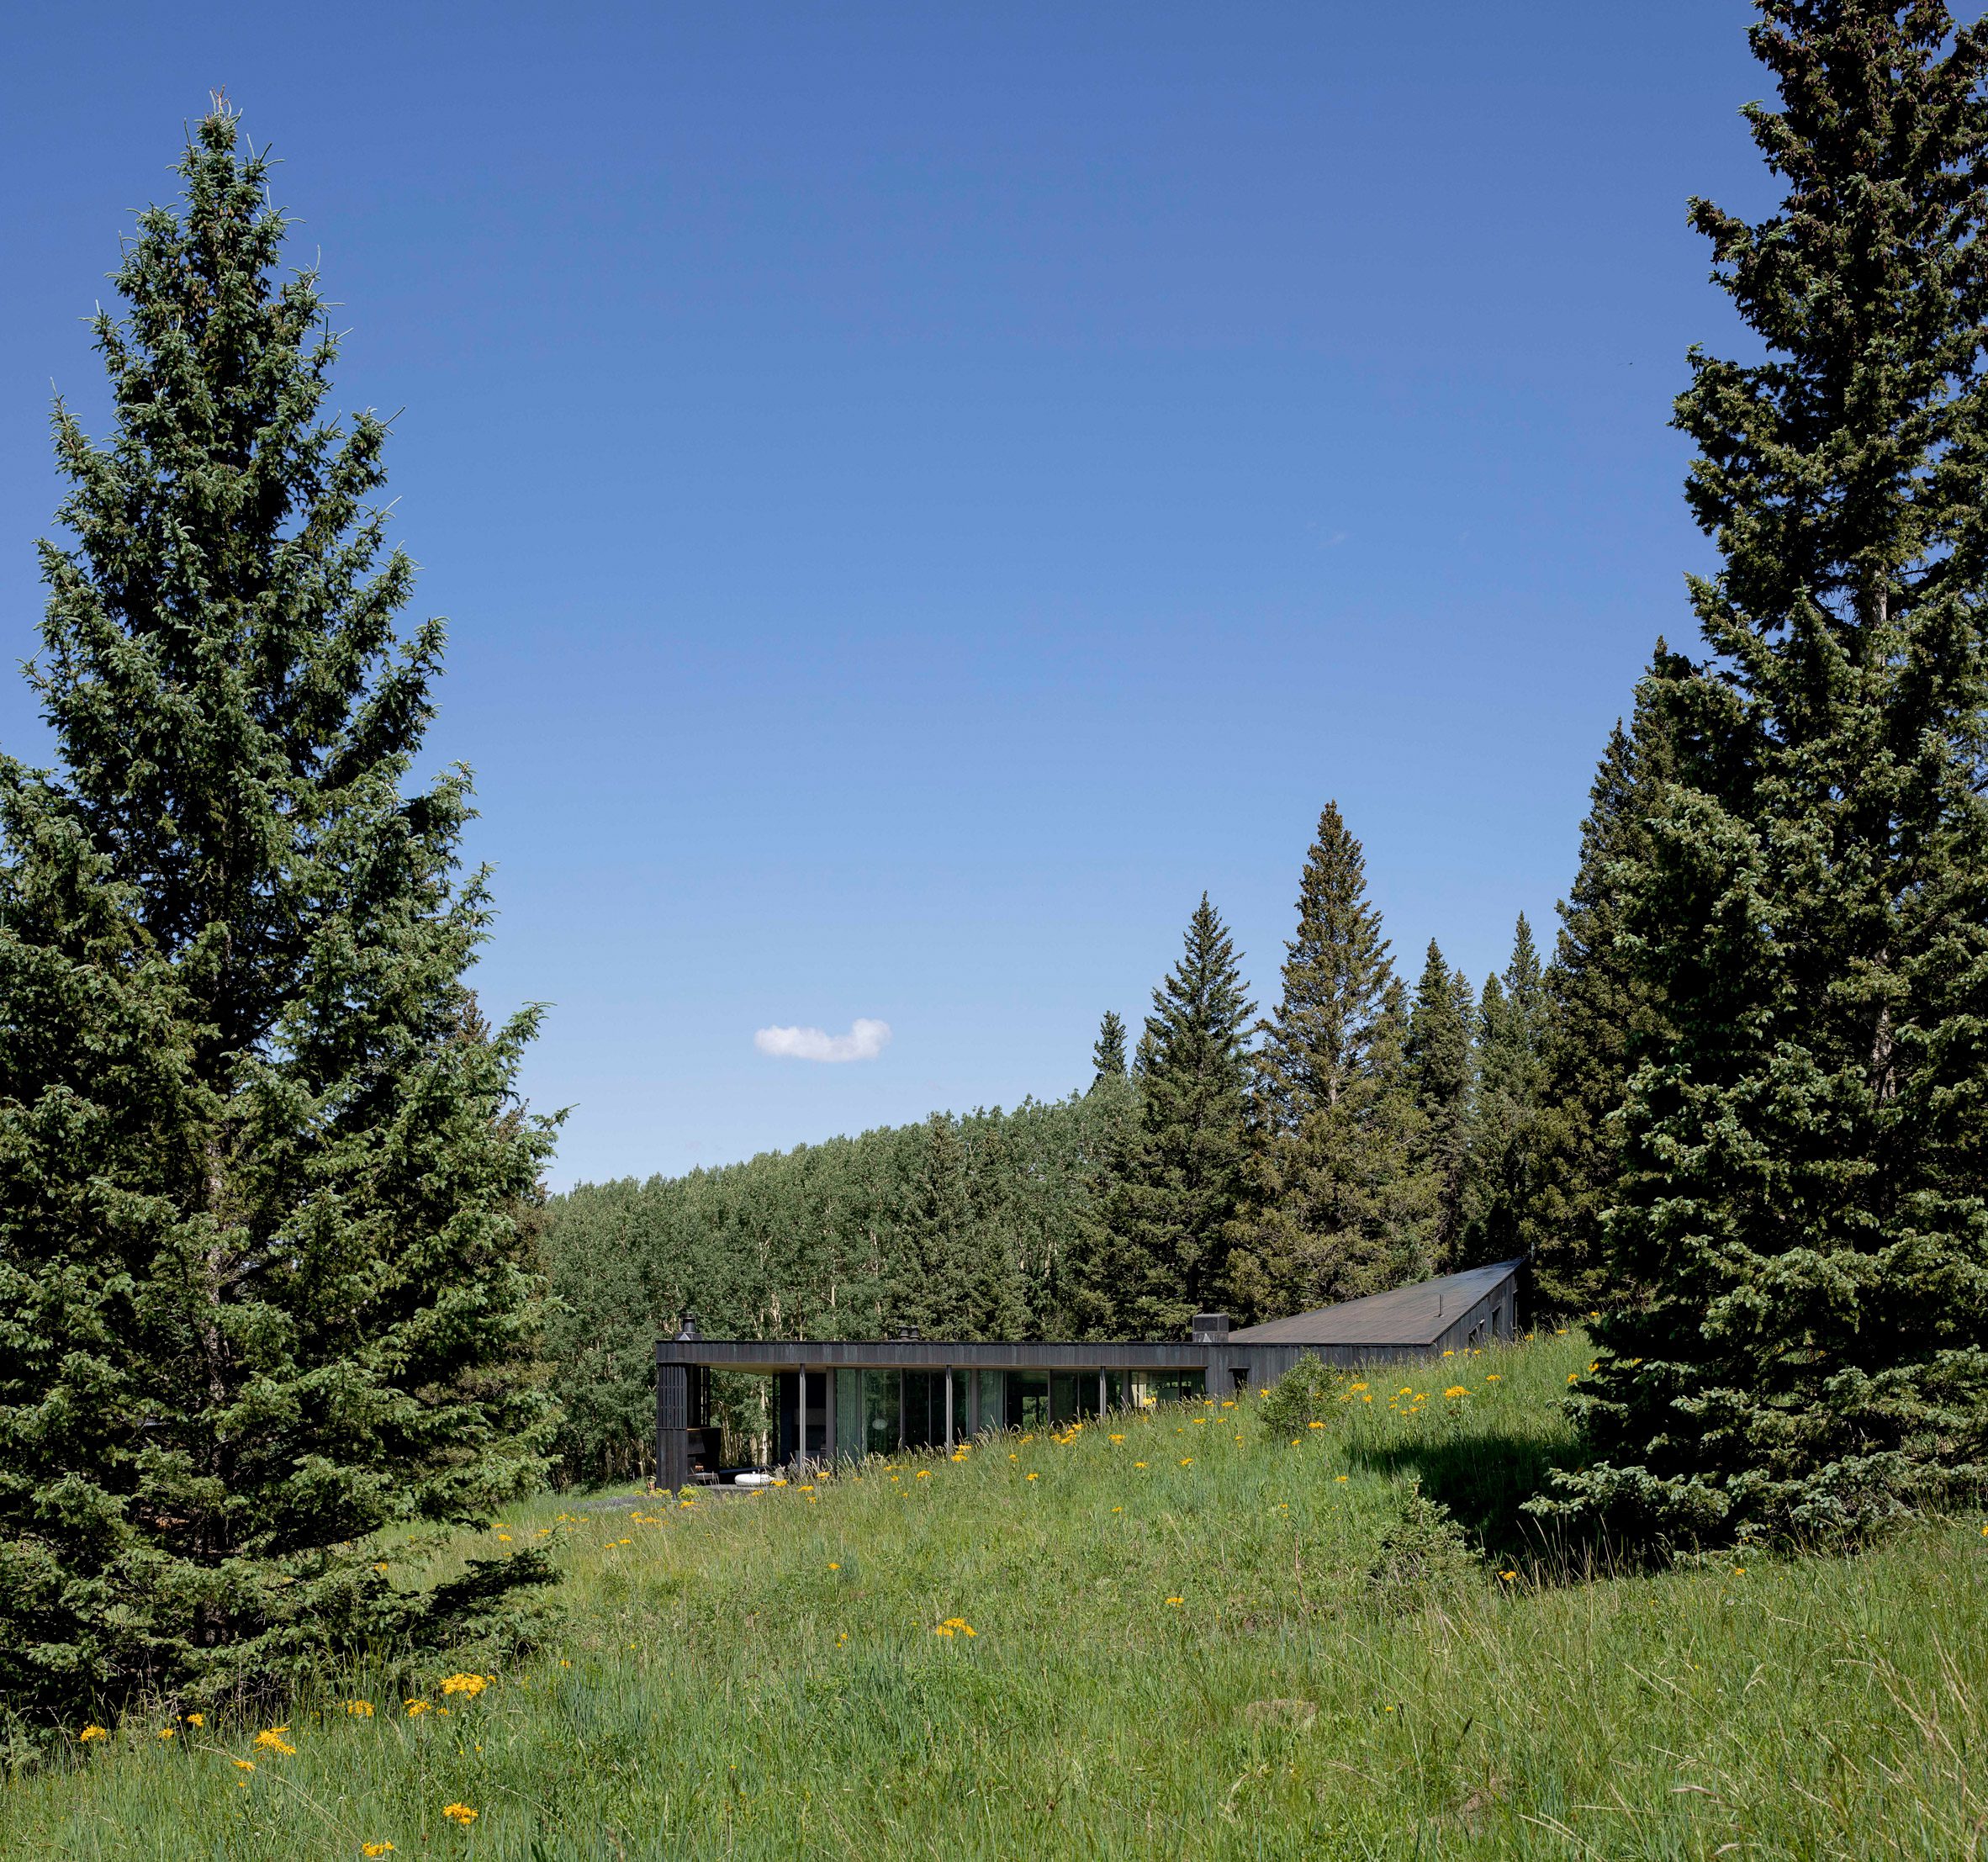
(1409, 1315)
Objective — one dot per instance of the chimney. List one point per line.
(686, 1327)
(1209, 1328)
(907, 1334)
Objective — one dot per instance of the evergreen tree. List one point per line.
(1156, 1253)
(1441, 1073)
(996, 1304)
(935, 1266)
(1338, 1207)
(1600, 1004)
(1108, 1053)
(1511, 1083)
(262, 1288)
(1806, 1142)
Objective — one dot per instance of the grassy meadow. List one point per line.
(1150, 1636)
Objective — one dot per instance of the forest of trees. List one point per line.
(1363, 1133)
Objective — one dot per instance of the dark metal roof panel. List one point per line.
(770, 1354)
(1409, 1315)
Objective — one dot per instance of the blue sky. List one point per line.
(921, 492)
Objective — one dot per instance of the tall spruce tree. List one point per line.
(1155, 1251)
(997, 1305)
(1601, 1005)
(1441, 1072)
(262, 1289)
(1806, 1145)
(1337, 1206)
(1500, 1176)
(935, 1268)
(1107, 1052)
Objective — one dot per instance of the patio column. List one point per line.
(1101, 1389)
(801, 1421)
(672, 1447)
(948, 1374)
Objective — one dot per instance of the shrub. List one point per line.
(1422, 1555)
(1303, 1394)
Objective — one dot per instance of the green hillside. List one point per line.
(1154, 1636)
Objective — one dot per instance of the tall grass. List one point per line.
(1175, 1652)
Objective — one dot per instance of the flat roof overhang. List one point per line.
(768, 1355)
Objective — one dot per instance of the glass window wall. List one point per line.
(991, 1413)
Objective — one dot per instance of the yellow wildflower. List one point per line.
(415, 1709)
(459, 1813)
(168, 1732)
(376, 1849)
(471, 1684)
(1030, 1477)
(924, 1474)
(835, 1568)
(1456, 1390)
(1508, 1575)
(271, 1739)
(1138, 1464)
(1342, 1478)
(1177, 1600)
(359, 1709)
(94, 1732)
(1494, 1376)
(1315, 1426)
(1117, 1438)
(194, 1719)
(1186, 1460)
(244, 1764)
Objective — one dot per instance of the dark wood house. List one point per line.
(843, 1398)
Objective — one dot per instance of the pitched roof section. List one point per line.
(1409, 1315)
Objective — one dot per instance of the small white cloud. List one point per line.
(864, 1041)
